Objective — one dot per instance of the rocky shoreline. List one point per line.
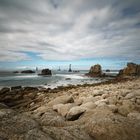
(102, 111)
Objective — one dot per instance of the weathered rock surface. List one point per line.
(75, 113)
(63, 109)
(104, 125)
(46, 72)
(95, 71)
(105, 112)
(132, 69)
(89, 105)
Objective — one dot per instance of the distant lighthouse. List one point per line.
(70, 68)
(36, 70)
(59, 69)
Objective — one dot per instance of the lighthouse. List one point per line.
(70, 68)
(36, 70)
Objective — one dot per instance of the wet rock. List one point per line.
(68, 79)
(30, 89)
(46, 72)
(4, 90)
(16, 88)
(107, 70)
(15, 71)
(27, 71)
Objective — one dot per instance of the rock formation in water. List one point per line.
(27, 71)
(95, 71)
(132, 69)
(15, 71)
(107, 70)
(46, 72)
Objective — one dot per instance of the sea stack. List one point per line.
(132, 69)
(70, 70)
(95, 71)
(46, 72)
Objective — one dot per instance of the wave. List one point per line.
(72, 76)
(26, 76)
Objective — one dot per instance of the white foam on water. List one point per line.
(26, 76)
(72, 76)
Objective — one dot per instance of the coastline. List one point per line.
(89, 111)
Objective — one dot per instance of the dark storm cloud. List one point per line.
(69, 29)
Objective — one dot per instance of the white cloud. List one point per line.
(12, 56)
(68, 30)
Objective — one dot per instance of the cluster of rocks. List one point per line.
(25, 71)
(43, 72)
(132, 69)
(19, 97)
(104, 112)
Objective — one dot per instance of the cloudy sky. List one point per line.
(52, 33)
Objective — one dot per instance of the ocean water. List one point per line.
(58, 78)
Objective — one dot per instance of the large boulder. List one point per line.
(95, 71)
(46, 72)
(75, 112)
(132, 69)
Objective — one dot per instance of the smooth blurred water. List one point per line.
(59, 78)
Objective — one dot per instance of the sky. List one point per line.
(53, 33)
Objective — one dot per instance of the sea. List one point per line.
(58, 78)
